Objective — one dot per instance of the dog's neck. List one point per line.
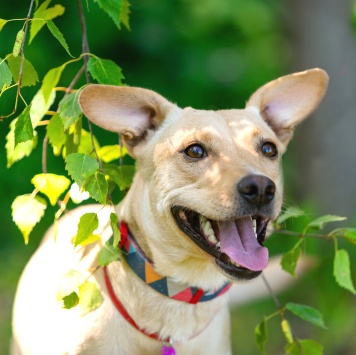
(141, 264)
(163, 305)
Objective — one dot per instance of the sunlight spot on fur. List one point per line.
(214, 174)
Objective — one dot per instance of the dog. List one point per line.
(206, 186)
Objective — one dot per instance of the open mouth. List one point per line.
(236, 245)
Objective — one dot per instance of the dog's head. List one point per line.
(212, 179)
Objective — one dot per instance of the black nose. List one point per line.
(257, 189)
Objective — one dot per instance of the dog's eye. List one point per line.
(269, 150)
(195, 151)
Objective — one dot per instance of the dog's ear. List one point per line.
(287, 101)
(126, 110)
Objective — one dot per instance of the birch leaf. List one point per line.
(51, 185)
(27, 211)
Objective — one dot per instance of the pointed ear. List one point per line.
(287, 101)
(126, 110)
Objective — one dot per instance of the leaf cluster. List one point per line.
(289, 261)
(55, 113)
(342, 270)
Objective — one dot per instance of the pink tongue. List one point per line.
(238, 242)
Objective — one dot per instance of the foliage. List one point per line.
(64, 133)
(341, 272)
(53, 112)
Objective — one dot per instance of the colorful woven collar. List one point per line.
(143, 267)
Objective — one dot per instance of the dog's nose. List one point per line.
(257, 189)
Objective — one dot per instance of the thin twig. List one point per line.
(22, 60)
(75, 80)
(85, 55)
(120, 145)
(85, 43)
(272, 293)
(301, 235)
(23, 47)
(44, 155)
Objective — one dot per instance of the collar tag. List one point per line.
(168, 349)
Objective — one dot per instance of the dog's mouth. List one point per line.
(236, 245)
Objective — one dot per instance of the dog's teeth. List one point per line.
(212, 239)
(236, 264)
(218, 245)
(202, 219)
(207, 228)
(254, 226)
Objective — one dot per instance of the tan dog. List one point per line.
(207, 183)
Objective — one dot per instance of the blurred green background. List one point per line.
(213, 54)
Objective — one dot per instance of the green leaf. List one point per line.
(125, 14)
(109, 153)
(105, 71)
(2, 23)
(261, 336)
(5, 75)
(350, 235)
(121, 175)
(307, 313)
(29, 74)
(77, 131)
(90, 297)
(45, 14)
(39, 106)
(304, 347)
(88, 223)
(70, 147)
(92, 239)
(320, 222)
(108, 253)
(69, 109)
(51, 185)
(114, 223)
(347, 233)
(23, 127)
(18, 43)
(85, 146)
(80, 167)
(27, 211)
(50, 81)
(14, 154)
(342, 270)
(97, 186)
(287, 331)
(70, 301)
(290, 259)
(112, 8)
(69, 283)
(55, 133)
(58, 34)
(290, 212)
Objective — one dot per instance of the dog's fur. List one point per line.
(157, 134)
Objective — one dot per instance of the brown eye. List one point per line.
(195, 151)
(269, 150)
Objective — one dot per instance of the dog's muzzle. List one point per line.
(236, 245)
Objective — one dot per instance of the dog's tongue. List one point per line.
(238, 242)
